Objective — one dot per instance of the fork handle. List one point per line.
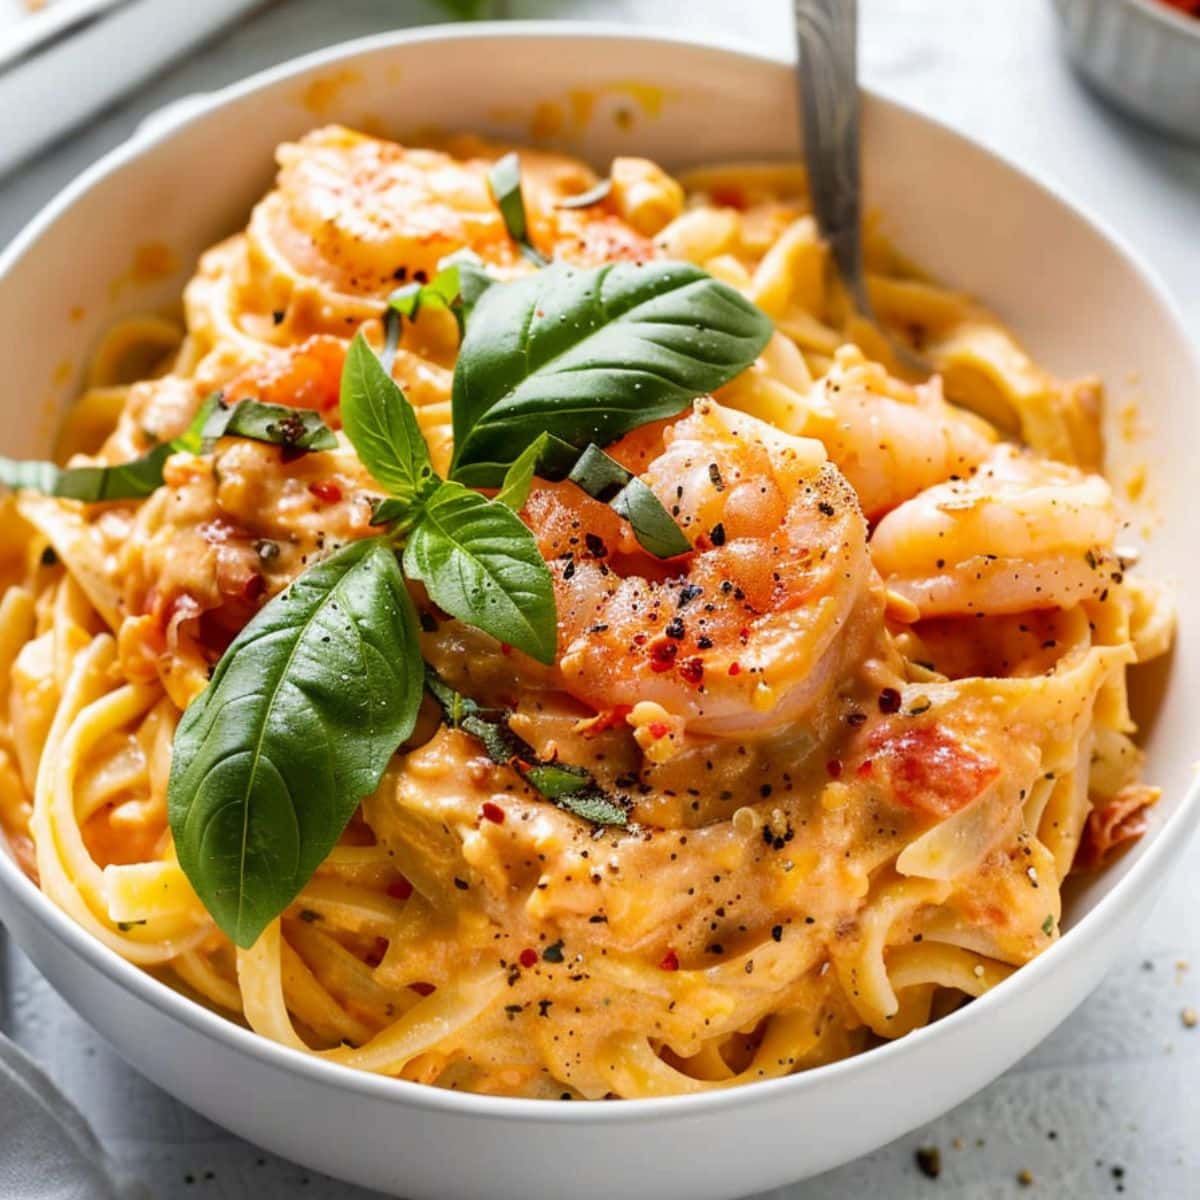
(827, 49)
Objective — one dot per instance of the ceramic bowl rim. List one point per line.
(1168, 838)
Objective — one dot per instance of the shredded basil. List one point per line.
(569, 787)
(504, 179)
(276, 424)
(602, 478)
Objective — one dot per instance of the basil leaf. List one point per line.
(382, 426)
(276, 424)
(389, 510)
(304, 711)
(593, 805)
(548, 456)
(586, 199)
(555, 780)
(501, 744)
(126, 481)
(481, 564)
(455, 706)
(654, 527)
(589, 354)
(473, 281)
(440, 292)
(191, 439)
(504, 179)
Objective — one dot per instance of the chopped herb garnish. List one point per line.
(569, 787)
(504, 179)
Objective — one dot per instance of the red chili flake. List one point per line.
(326, 490)
(505, 648)
(400, 890)
(889, 700)
(422, 989)
(670, 961)
(834, 768)
(662, 656)
(492, 812)
(528, 957)
(735, 668)
(865, 769)
(692, 670)
(659, 729)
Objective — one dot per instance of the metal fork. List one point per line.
(827, 79)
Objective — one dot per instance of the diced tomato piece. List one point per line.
(1119, 820)
(926, 768)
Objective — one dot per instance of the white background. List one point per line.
(1118, 1086)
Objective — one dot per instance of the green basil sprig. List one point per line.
(589, 354)
(504, 179)
(296, 429)
(569, 787)
(312, 699)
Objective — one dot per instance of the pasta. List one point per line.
(862, 731)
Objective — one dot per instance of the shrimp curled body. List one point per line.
(1020, 533)
(744, 633)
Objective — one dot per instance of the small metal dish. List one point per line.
(1141, 55)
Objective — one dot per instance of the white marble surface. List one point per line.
(1117, 1088)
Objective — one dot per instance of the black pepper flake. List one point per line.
(777, 932)
(49, 557)
(717, 536)
(929, 1161)
(428, 621)
(714, 473)
(674, 629)
(856, 718)
(461, 884)
(569, 570)
(277, 316)
(554, 952)
(826, 508)
(889, 700)
(595, 544)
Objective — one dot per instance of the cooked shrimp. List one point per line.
(743, 634)
(889, 439)
(1021, 533)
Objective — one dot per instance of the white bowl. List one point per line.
(1072, 291)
